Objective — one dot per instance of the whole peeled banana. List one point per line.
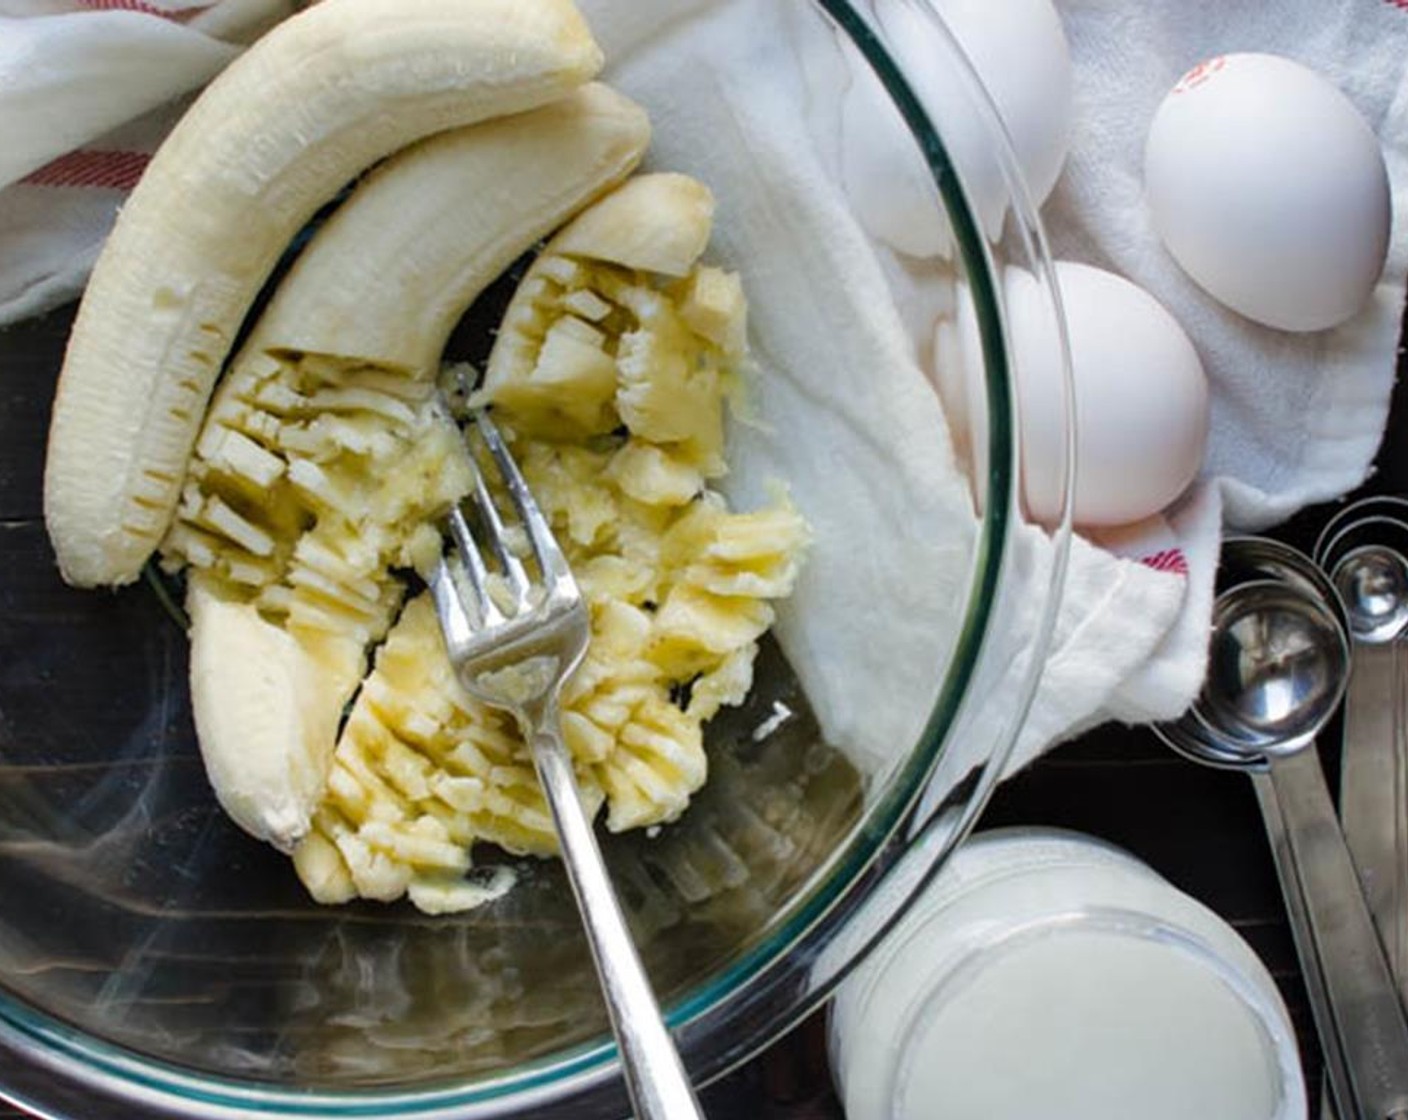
(309, 107)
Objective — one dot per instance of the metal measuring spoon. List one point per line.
(1278, 665)
(1363, 549)
(1373, 582)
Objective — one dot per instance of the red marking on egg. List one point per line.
(1205, 70)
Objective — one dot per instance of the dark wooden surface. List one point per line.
(1198, 827)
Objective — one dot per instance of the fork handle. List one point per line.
(655, 1078)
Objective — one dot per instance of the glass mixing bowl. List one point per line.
(155, 961)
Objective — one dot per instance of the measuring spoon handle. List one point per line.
(1364, 1013)
(1373, 808)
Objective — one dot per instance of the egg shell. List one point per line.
(958, 372)
(1019, 52)
(1141, 396)
(1269, 189)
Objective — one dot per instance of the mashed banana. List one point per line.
(611, 383)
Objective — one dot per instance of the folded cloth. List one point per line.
(88, 89)
(1295, 418)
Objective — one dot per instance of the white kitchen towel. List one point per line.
(1294, 419)
(88, 88)
(746, 96)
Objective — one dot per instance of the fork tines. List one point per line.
(483, 582)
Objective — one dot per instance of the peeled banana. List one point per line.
(274, 689)
(551, 365)
(311, 105)
(655, 223)
(326, 457)
(389, 279)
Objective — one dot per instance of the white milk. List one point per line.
(1049, 974)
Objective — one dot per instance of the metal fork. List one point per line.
(514, 639)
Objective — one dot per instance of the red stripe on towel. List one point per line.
(1170, 559)
(139, 6)
(114, 170)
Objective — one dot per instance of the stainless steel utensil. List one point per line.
(1278, 667)
(515, 631)
(1363, 549)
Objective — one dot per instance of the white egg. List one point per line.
(1270, 191)
(1141, 397)
(1019, 51)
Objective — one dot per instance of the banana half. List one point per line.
(311, 105)
(326, 457)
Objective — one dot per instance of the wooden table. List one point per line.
(1198, 827)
